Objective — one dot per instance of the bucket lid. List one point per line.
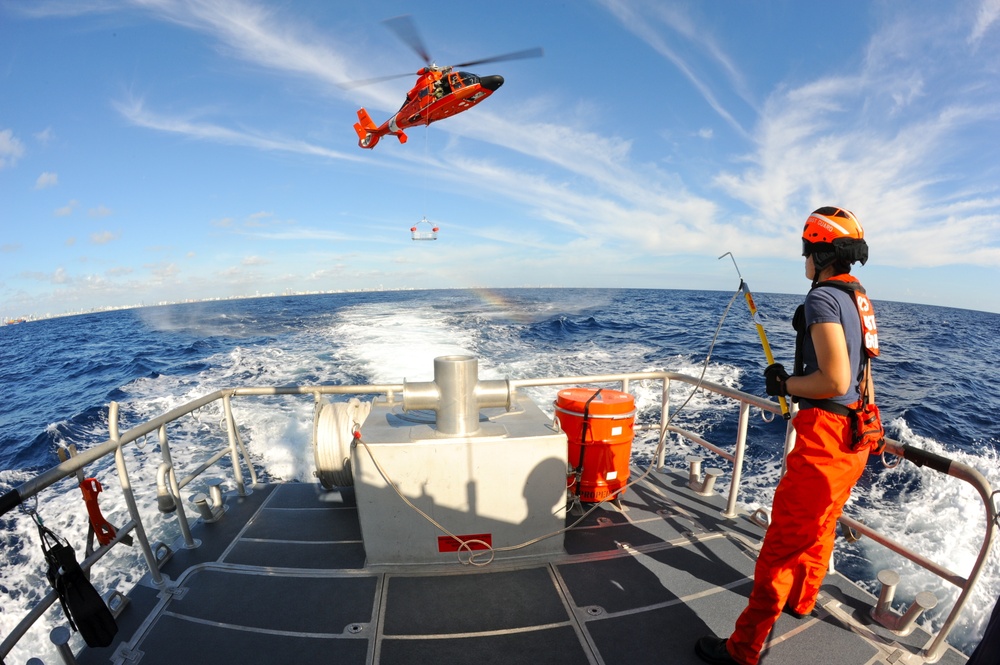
(608, 402)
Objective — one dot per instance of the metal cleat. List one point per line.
(703, 486)
(211, 506)
(882, 611)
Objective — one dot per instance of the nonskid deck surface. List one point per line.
(281, 578)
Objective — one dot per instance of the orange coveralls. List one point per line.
(821, 471)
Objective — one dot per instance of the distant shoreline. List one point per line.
(28, 318)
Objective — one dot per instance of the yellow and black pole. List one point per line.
(760, 328)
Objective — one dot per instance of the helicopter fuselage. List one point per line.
(438, 94)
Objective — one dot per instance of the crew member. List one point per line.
(836, 337)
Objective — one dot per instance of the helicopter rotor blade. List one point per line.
(351, 85)
(536, 52)
(406, 30)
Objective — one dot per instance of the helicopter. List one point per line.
(439, 93)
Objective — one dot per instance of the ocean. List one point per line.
(935, 382)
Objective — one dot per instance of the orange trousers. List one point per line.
(821, 471)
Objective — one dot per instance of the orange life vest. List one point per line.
(866, 312)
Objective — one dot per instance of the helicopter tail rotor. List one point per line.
(366, 129)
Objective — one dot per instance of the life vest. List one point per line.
(866, 312)
(866, 421)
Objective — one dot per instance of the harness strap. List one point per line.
(583, 439)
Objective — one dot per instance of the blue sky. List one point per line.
(155, 150)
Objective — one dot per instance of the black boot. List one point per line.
(713, 650)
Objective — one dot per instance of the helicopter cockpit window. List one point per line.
(468, 79)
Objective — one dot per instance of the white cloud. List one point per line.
(67, 209)
(45, 136)
(645, 28)
(134, 110)
(11, 148)
(163, 272)
(259, 34)
(299, 234)
(875, 141)
(99, 211)
(987, 17)
(47, 180)
(103, 238)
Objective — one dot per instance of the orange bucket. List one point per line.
(599, 427)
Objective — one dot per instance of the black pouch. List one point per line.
(86, 610)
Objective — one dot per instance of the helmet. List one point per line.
(834, 234)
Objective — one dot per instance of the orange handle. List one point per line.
(105, 533)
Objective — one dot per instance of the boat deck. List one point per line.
(282, 578)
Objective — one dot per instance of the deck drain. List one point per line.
(595, 610)
(355, 628)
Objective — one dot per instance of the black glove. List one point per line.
(774, 380)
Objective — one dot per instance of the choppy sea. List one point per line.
(936, 383)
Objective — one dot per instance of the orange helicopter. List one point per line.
(440, 92)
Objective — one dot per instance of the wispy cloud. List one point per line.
(987, 18)
(47, 180)
(45, 136)
(59, 276)
(257, 33)
(11, 148)
(134, 110)
(300, 234)
(871, 139)
(636, 18)
(103, 237)
(67, 209)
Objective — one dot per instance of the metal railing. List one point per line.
(237, 454)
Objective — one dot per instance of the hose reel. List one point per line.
(333, 433)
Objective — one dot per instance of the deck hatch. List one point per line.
(315, 556)
(472, 603)
(305, 525)
(302, 604)
(559, 645)
(174, 640)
